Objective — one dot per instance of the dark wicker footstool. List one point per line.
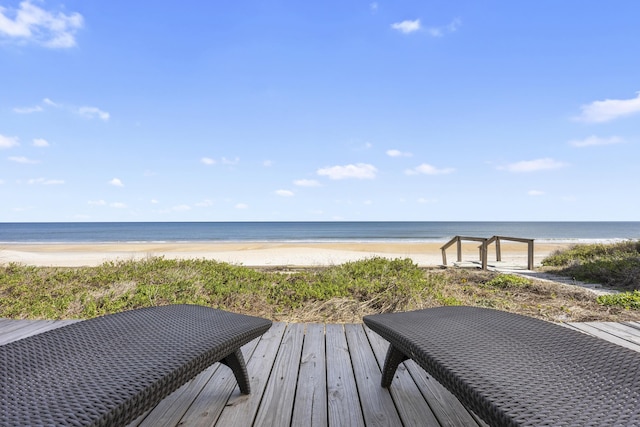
(111, 369)
(516, 370)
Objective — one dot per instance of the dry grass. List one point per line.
(543, 299)
(552, 301)
(336, 294)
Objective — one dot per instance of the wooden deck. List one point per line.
(316, 375)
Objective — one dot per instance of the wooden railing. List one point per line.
(484, 248)
(458, 240)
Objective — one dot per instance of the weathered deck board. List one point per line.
(276, 407)
(310, 405)
(421, 397)
(376, 402)
(342, 393)
(635, 325)
(412, 407)
(619, 330)
(198, 401)
(172, 409)
(596, 329)
(317, 375)
(23, 328)
(15, 330)
(242, 409)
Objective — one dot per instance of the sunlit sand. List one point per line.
(261, 254)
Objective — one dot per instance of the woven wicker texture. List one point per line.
(516, 370)
(111, 369)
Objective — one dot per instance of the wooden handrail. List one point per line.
(458, 240)
(484, 246)
(529, 243)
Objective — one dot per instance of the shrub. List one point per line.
(628, 300)
(506, 281)
(380, 283)
(616, 265)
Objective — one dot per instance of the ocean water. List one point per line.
(374, 231)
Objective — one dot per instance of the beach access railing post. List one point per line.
(458, 240)
(484, 248)
(483, 254)
(530, 248)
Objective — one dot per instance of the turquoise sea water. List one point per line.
(375, 231)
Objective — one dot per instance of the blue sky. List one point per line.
(318, 111)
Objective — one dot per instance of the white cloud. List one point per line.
(533, 165)
(1, 181)
(40, 142)
(23, 160)
(43, 181)
(595, 140)
(154, 202)
(267, 163)
(284, 193)
(93, 113)
(242, 206)
(50, 103)
(97, 203)
(117, 205)
(31, 23)
(398, 153)
(231, 162)
(358, 171)
(535, 193)
(86, 111)
(28, 110)
(427, 169)
(8, 141)
(373, 7)
(116, 182)
(407, 26)
(307, 183)
(452, 27)
(609, 109)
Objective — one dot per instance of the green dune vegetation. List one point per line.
(615, 265)
(337, 293)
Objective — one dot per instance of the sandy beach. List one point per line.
(263, 254)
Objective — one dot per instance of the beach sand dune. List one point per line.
(262, 254)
